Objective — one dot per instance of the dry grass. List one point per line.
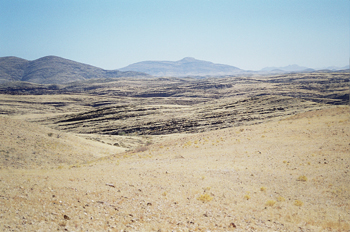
(270, 203)
(205, 198)
(302, 178)
(163, 188)
(298, 203)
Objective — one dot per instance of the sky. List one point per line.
(111, 34)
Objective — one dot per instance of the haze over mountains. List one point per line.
(289, 68)
(188, 66)
(57, 70)
(54, 70)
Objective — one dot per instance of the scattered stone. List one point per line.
(232, 225)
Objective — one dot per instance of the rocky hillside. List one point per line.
(54, 70)
(169, 119)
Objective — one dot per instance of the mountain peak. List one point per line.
(188, 59)
(188, 66)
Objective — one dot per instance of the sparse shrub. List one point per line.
(263, 189)
(247, 197)
(50, 134)
(270, 203)
(298, 203)
(148, 143)
(302, 178)
(205, 198)
(280, 199)
(189, 143)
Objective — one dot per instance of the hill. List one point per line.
(29, 145)
(185, 67)
(12, 68)
(256, 153)
(290, 174)
(54, 70)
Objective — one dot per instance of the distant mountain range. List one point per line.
(54, 70)
(186, 67)
(337, 67)
(289, 68)
(297, 68)
(192, 67)
(57, 70)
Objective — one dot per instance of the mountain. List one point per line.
(337, 67)
(185, 67)
(12, 68)
(289, 68)
(54, 70)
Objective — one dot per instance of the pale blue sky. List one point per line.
(249, 34)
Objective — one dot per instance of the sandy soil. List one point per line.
(290, 174)
(29, 145)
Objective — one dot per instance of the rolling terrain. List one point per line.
(290, 174)
(249, 153)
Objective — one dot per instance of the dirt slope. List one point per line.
(290, 174)
(28, 145)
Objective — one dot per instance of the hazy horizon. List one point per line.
(250, 35)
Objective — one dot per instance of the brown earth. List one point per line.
(290, 174)
(243, 157)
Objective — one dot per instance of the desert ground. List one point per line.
(96, 162)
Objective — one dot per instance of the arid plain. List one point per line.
(257, 153)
